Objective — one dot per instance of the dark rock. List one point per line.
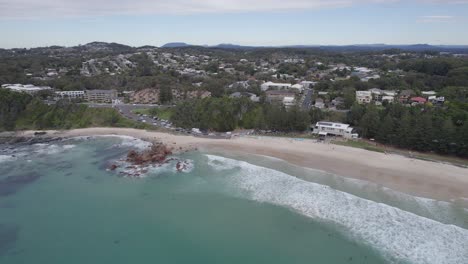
(13, 184)
(155, 155)
(8, 237)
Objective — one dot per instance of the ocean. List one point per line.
(59, 203)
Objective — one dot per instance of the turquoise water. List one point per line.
(227, 209)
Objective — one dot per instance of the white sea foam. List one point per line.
(399, 235)
(126, 141)
(46, 149)
(5, 158)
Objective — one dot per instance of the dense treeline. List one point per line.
(20, 111)
(226, 114)
(421, 128)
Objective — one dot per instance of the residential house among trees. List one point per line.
(363, 97)
(324, 128)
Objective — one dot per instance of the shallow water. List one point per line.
(64, 207)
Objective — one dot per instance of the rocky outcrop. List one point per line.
(156, 154)
(137, 164)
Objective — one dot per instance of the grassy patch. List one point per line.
(75, 116)
(143, 111)
(359, 144)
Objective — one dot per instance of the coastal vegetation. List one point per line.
(227, 114)
(19, 111)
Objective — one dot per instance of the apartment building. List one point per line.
(101, 96)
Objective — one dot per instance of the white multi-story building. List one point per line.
(363, 97)
(324, 128)
(27, 88)
(71, 94)
(275, 86)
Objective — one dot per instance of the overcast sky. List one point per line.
(32, 23)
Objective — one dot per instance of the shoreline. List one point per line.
(422, 178)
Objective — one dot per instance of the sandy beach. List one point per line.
(417, 177)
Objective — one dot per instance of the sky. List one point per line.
(38, 23)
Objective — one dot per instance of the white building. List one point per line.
(27, 88)
(319, 103)
(289, 101)
(71, 94)
(308, 84)
(275, 86)
(299, 87)
(428, 93)
(363, 97)
(389, 99)
(324, 128)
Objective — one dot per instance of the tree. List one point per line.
(355, 114)
(316, 115)
(369, 123)
(165, 94)
(349, 97)
(385, 133)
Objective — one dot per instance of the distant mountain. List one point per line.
(104, 46)
(232, 46)
(176, 45)
(120, 48)
(357, 47)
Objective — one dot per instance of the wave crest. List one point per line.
(399, 235)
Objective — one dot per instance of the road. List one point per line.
(307, 102)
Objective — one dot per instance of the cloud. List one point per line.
(435, 19)
(23, 9)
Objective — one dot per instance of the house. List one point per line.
(376, 94)
(298, 87)
(275, 86)
(240, 85)
(289, 101)
(324, 128)
(101, 96)
(338, 101)
(278, 96)
(405, 95)
(251, 96)
(436, 100)
(308, 84)
(426, 94)
(319, 103)
(388, 99)
(363, 97)
(418, 100)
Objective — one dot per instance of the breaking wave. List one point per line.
(126, 141)
(399, 235)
